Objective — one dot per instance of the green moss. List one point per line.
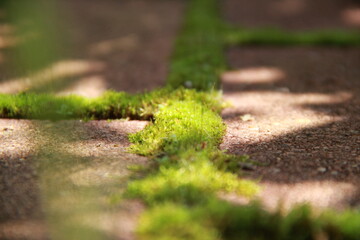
(174, 222)
(189, 183)
(272, 36)
(198, 57)
(179, 126)
(108, 106)
(41, 106)
(223, 220)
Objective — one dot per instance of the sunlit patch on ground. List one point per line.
(276, 114)
(91, 167)
(126, 43)
(326, 194)
(319, 194)
(91, 86)
(301, 129)
(16, 138)
(253, 75)
(352, 16)
(55, 73)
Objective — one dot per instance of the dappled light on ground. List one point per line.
(102, 46)
(49, 76)
(275, 114)
(253, 75)
(89, 169)
(302, 130)
(295, 112)
(352, 16)
(126, 43)
(130, 37)
(16, 138)
(91, 86)
(320, 194)
(20, 197)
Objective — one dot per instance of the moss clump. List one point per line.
(189, 183)
(179, 126)
(174, 222)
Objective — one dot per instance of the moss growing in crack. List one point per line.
(198, 57)
(272, 36)
(41, 106)
(189, 183)
(222, 220)
(110, 105)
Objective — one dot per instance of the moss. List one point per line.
(41, 106)
(222, 220)
(198, 57)
(272, 36)
(189, 183)
(179, 126)
(174, 222)
(110, 105)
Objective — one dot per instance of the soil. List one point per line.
(296, 114)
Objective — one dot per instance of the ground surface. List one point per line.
(121, 45)
(294, 14)
(96, 154)
(296, 110)
(111, 45)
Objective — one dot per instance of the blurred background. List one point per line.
(86, 47)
